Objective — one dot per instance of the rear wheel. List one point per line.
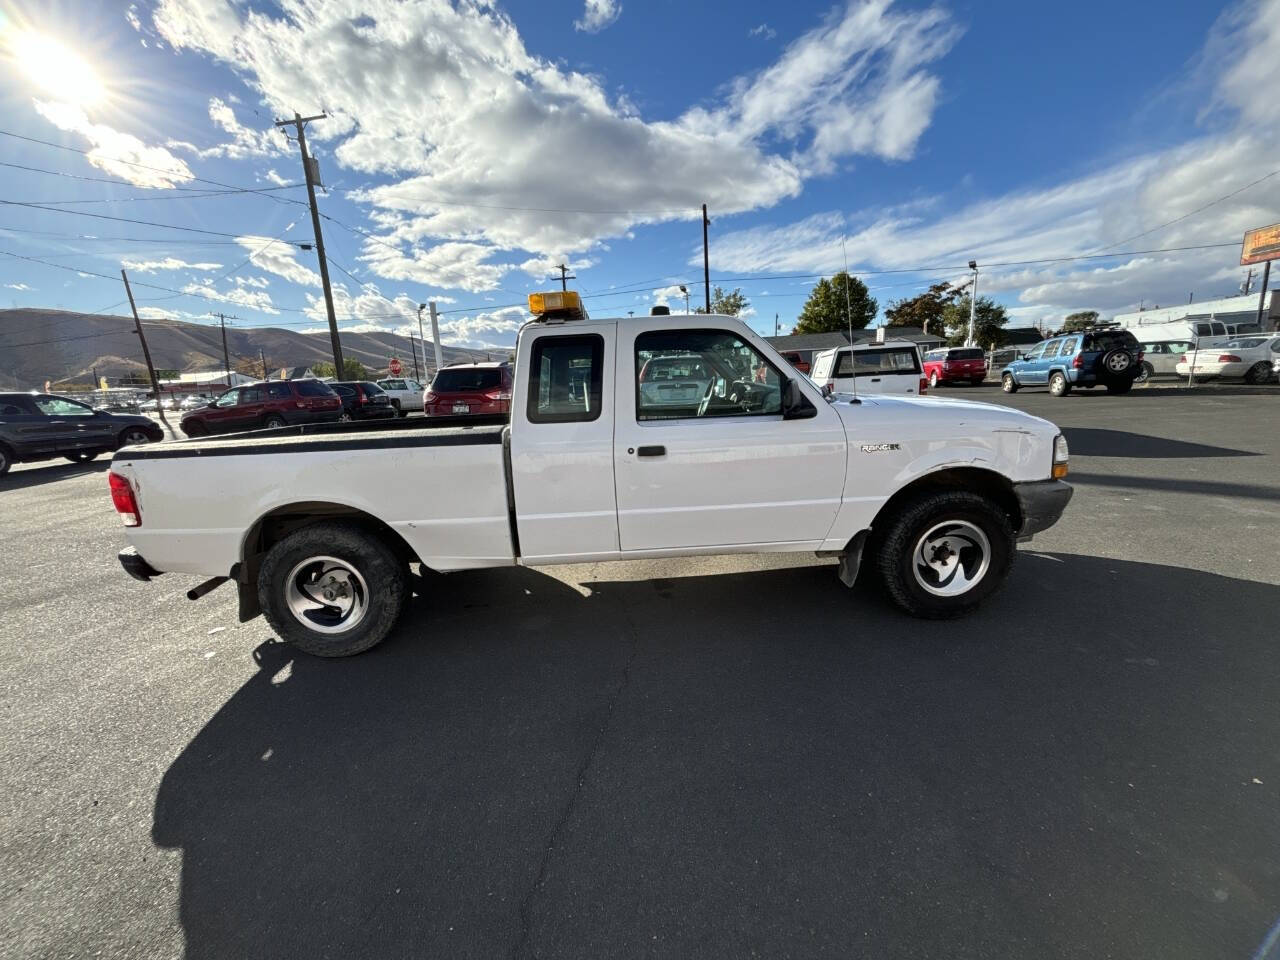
(945, 553)
(6, 459)
(1258, 373)
(1145, 373)
(976, 381)
(1008, 384)
(344, 417)
(933, 381)
(1058, 385)
(274, 421)
(332, 589)
(82, 456)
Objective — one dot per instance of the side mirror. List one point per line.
(827, 391)
(795, 405)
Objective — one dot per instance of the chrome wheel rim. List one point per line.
(345, 418)
(1118, 362)
(951, 558)
(1007, 383)
(326, 595)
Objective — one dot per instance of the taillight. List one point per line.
(924, 385)
(1229, 358)
(429, 397)
(504, 394)
(125, 502)
(831, 385)
(1078, 362)
(364, 398)
(1141, 354)
(946, 364)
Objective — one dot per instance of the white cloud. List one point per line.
(279, 258)
(253, 299)
(120, 154)
(260, 283)
(245, 142)
(665, 296)
(545, 268)
(274, 178)
(17, 286)
(494, 329)
(442, 98)
(598, 14)
(457, 266)
(763, 30)
(167, 263)
(1114, 209)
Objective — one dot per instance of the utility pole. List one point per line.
(413, 347)
(973, 302)
(311, 173)
(1248, 283)
(706, 258)
(146, 352)
(1262, 297)
(263, 357)
(775, 324)
(226, 354)
(435, 333)
(565, 276)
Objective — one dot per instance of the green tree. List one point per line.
(351, 370)
(1080, 320)
(924, 310)
(726, 304)
(988, 324)
(828, 310)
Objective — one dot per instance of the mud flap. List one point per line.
(851, 558)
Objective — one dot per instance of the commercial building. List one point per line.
(1225, 309)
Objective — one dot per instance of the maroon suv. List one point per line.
(274, 403)
(469, 389)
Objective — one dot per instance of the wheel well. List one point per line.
(274, 526)
(988, 483)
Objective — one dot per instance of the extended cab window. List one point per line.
(567, 379)
(703, 373)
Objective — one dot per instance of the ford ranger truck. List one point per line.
(723, 448)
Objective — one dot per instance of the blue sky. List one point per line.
(471, 146)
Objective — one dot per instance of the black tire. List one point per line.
(976, 381)
(6, 459)
(396, 405)
(1258, 373)
(195, 428)
(274, 421)
(1058, 384)
(381, 584)
(82, 456)
(1119, 386)
(1008, 384)
(133, 437)
(1145, 373)
(904, 534)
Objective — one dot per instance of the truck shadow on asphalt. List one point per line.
(716, 765)
(1096, 442)
(39, 474)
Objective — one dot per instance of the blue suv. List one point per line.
(1087, 358)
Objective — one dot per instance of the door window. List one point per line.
(228, 399)
(1052, 349)
(567, 379)
(682, 374)
(1069, 347)
(1034, 352)
(279, 391)
(250, 395)
(61, 407)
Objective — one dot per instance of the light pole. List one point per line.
(973, 301)
(685, 291)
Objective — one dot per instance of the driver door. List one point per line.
(722, 469)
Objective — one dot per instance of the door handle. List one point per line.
(651, 451)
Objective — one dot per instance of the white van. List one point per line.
(1205, 330)
(889, 367)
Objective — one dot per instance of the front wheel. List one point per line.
(81, 456)
(1058, 385)
(1258, 373)
(1008, 384)
(332, 589)
(945, 553)
(134, 437)
(6, 460)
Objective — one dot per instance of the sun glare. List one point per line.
(56, 69)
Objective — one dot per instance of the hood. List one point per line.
(933, 411)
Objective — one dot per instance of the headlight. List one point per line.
(1059, 457)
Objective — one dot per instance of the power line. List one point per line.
(201, 195)
(103, 216)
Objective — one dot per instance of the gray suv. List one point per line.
(39, 426)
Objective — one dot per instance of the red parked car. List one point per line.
(275, 403)
(955, 365)
(797, 360)
(469, 389)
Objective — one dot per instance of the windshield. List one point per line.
(966, 353)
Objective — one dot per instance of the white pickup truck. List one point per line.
(608, 455)
(405, 393)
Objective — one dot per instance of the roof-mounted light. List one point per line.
(557, 305)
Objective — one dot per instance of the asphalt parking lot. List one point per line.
(723, 757)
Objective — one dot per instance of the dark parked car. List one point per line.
(37, 426)
(274, 403)
(364, 400)
(470, 389)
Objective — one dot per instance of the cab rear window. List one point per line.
(965, 353)
(874, 363)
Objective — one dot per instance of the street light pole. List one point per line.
(973, 302)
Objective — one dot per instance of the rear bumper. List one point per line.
(135, 566)
(1041, 503)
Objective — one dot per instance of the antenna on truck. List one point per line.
(848, 316)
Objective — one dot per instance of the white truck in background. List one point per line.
(405, 393)
(319, 525)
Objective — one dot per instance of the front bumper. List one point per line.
(135, 566)
(1041, 503)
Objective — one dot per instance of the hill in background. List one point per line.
(64, 347)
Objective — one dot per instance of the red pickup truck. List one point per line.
(955, 365)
